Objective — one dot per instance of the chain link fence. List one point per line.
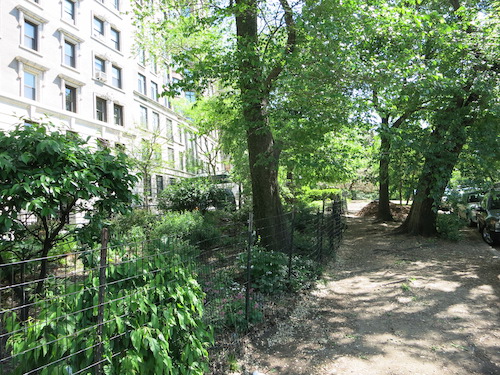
(72, 321)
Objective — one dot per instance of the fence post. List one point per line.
(249, 267)
(100, 306)
(320, 230)
(290, 252)
(335, 228)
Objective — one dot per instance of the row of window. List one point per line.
(32, 26)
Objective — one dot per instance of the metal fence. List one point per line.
(89, 292)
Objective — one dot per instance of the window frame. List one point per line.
(100, 32)
(34, 41)
(155, 121)
(101, 114)
(160, 184)
(169, 129)
(116, 42)
(154, 91)
(73, 96)
(141, 84)
(143, 116)
(34, 88)
(118, 79)
(69, 16)
(72, 59)
(118, 120)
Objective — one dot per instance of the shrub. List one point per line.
(152, 317)
(448, 226)
(270, 271)
(194, 194)
(229, 311)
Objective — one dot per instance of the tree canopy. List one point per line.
(312, 87)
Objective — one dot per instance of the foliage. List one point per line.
(310, 195)
(133, 226)
(190, 226)
(230, 309)
(270, 271)
(46, 176)
(193, 194)
(448, 226)
(153, 318)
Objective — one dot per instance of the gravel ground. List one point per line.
(390, 305)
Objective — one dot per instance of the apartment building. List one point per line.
(75, 63)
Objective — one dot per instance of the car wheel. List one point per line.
(487, 236)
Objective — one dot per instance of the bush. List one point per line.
(230, 311)
(270, 271)
(448, 226)
(194, 194)
(191, 226)
(153, 318)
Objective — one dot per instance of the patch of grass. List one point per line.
(405, 287)
(232, 363)
(461, 347)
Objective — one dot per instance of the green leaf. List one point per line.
(136, 337)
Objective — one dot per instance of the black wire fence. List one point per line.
(92, 310)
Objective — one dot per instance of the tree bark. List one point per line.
(263, 154)
(446, 143)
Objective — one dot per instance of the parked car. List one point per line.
(466, 206)
(488, 217)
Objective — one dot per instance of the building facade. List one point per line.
(75, 63)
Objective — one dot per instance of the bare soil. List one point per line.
(390, 305)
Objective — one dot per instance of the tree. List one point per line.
(466, 96)
(250, 62)
(46, 176)
(147, 158)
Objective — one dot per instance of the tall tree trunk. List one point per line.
(384, 210)
(263, 154)
(446, 143)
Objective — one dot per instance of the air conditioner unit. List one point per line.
(100, 76)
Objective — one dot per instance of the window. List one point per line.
(31, 35)
(142, 57)
(115, 39)
(159, 184)
(118, 114)
(190, 96)
(100, 109)
(116, 4)
(69, 10)
(70, 94)
(69, 54)
(141, 84)
(156, 122)
(143, 116)
(117, 76)
(181, 161)
(147, 185)
(170, 155)
(99, 64)
(169, 130)
(157, 153)
(154, 91)
(30, 85)
(98, 27)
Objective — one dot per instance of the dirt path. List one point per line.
(392, 305)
